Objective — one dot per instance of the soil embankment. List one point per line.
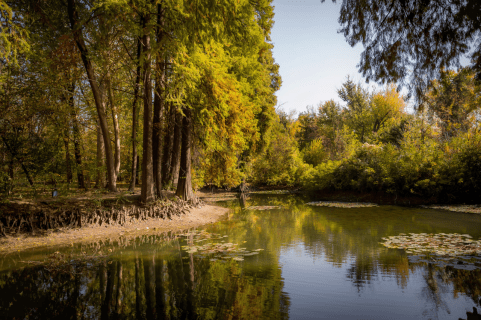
(76, 220)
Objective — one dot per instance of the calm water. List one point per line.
(317, 263)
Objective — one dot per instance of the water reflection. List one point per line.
(319, 263)
(164, 285)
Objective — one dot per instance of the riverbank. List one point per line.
(384, 198)
(380, 198)
(191, 218)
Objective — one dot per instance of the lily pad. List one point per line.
(335, 204)
(457, 208)
(272, 192)
(263, 207)
(441, 244)
(204, 248)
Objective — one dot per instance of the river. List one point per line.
(292, 262)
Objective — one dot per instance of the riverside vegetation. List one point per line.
(112, 106)
(103, 94)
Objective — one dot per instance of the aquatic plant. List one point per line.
(273, 192)
(441, 243)
(457, 250)
(335, 204)
(215, 250)
(263, 207)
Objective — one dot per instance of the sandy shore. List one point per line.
(195, 218)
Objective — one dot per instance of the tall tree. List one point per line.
(359, 114)
(134, 173)
(184, 185)
(77, 27)
(147, 190)
(159, 102)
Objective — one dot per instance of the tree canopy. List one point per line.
(409, 42)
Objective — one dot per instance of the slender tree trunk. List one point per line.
(157, 140)
(133, 177)
(242, 200)
(167, 150)
(147, 190)
(14, 155)
(76, 138)
(175, 160)
(115, 121)
(78, 36)
(138, 170)
(68, 163)
(11, 169)
(158, 106)
(78, 161)
(100, 181)
(184, 186)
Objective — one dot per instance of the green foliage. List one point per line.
(13, 35)
(279, 162)
(406, 154)
(452, 99)
(314, 153)
(319, 177)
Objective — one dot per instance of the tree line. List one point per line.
(181, 91)
(372, 143)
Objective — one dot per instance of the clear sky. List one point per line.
(314, 59)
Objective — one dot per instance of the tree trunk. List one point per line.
(14, 155)
(76, 138)
(158, 106)
(138, 170)
(184, 186)
(68, 163)
(133, 177)
(100, 181)
(115, 121)
(242, 200)
(78, 36)
(175, 160)
(167, 150)
(11, 170)
(147, 190)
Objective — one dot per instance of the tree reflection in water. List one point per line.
(155, 279)
(171, 285)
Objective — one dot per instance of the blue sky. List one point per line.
(314, 59)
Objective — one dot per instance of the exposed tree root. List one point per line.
(17, 218)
